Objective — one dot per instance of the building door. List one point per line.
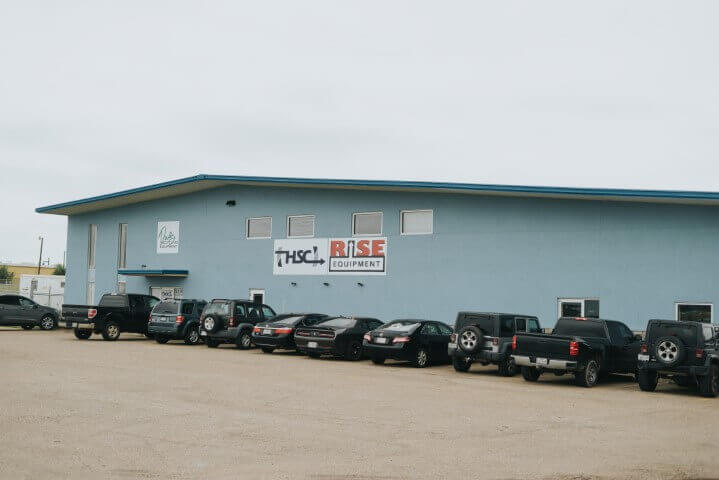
(578, 307)
(257, 295)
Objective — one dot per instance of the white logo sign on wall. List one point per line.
(168, 237)
(330, 256)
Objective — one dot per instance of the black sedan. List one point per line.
(278, 332)
(336, 336)
(421, 342)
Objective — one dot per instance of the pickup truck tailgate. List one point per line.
(75, 314)
(543, 345)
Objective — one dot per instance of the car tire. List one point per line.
(378, 361)
(192, 336)
(161, 339)
(211, 324)
(461, 364)
(354, 351)
(268, 349)
(709, 384)
(48, 323)
(421, 358)
(111, 331)
(82, 334)
(470, 339)
(507, 367)
(587, 377)
(669, 351)
(244, 340)
(212, 343)
(313, 355)
(27, 327)
(648, 380)
(531, 374)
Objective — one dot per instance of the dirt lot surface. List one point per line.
(135, 409)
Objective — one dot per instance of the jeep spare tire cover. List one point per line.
(470, 339)
(669, 350)
(211, 324)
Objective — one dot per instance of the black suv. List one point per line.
(176, 320)
(486, 338)
(686, 352)
(232, 321)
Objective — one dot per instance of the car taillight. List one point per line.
(699, 353)
(179, 319)
(514, 342)
(495, 341)
(367, 337)
(256, 330)
(643, 348)
(400, 340)
(281, 331)
(91, 313)
(573, 349)
(453, 338)
(231, 321)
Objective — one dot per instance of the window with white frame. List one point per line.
(367, 223)
(694, 312)
(122, 246)
(91, 241)
(300, 226)
(259, 227)
(416, 222)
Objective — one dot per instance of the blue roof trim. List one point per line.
(469, 187)
(144, 272)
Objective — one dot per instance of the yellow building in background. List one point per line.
(18, 270)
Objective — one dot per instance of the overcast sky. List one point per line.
(99, 96)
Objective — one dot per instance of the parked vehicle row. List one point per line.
(587, 348)
(19, 311)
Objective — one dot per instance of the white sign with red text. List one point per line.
(330, 256)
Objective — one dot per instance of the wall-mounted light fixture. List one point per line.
(294, 284)
(360, 284)
(230, 203)
(326, 284)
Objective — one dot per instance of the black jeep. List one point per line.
(232, 321)
(487, 338)
(685, 352)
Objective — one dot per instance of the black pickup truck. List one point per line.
(586, 347)
(116, 313)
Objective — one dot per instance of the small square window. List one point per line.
(301, 226)
(416, 222)
(367, 223)
(260, 227)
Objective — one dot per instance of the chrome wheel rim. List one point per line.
(194, 336)
(667, 351)
(468, 339)
(246, 340)
(112, 331)
(592, 373)
(209, 323)
(421, 357)
(47, 323)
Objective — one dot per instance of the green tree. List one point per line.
(59, 269)
(6, 275)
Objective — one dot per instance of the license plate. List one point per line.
(68, 324)
(643, 358)
(542, 361)
(267, 331)
(311, 344)
(203, 333)
(380, 340)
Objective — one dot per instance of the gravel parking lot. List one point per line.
(136, 409)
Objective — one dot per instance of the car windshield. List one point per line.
(400, 326)
(338, 322)
(166, 307)
(217, 308)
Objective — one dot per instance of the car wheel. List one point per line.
(648, 380)
(212, 343)
(211, 324)
(709, 384)
(268, 349)
(421, 358)
(192, 337)
(470, 339)
(244, 341)
(507, 367)
(82, 334)
(47, 322)
(354, 351)
(377, 360)
(111, 331)
(460, 363)
(669, 351)
(313, 355)
(588, 376)
(531, 374)
(27, 327)
(160, 339)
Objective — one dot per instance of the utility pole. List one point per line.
(39, 261)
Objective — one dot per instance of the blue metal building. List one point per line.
(401, 249)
